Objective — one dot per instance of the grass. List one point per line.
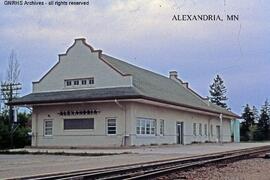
(62, 153)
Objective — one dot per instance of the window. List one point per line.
(205, 129)
(79, 82)
(48, 125)
(142, 124)
(194, 129)
(68, 83)
(146, 126)
(211, 130)
(91, 81)
(200, 129)
(84, 82)
(73, 124)
(111, 126)
(138, 127)
(161, 126)
(152, 126)
(76, 82)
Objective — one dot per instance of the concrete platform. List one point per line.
(24, 165)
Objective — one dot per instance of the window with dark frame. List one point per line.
(79, 82)
(76, 82)
(200, 129)
(91, 81)
(194, 129)
(205, 129)
(68, 83)
(111, 126)
(84, 82)
(161, 130)
(77, 124)
(48, 127)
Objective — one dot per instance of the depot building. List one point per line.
(91, 99)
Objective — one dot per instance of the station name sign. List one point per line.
(78, 112)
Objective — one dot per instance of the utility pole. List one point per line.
(10, 91)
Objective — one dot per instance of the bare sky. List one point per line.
(142, 32)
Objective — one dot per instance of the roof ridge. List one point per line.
(194, 93)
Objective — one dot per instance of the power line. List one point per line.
(10, 91)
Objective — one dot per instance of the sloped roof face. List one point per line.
(145, 84)
(156, 86)
(78, 95)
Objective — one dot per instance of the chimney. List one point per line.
(173, 74)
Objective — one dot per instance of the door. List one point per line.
(179, 132)
(218, 133)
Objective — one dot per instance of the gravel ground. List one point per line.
(24, 165)
(182, 150)
(251, 169)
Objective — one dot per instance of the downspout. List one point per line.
(125, 116)
(209, 129)
(36, 130)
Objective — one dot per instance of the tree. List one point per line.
(9, 91)
(256, 114)
(247, 124)
(248, 116)
(13, 71)
(20, 135)
(1, 100)
(4, 131)
(218, 92)
(264, 121)
(11, 85)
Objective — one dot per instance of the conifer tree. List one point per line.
(248, 116)
(218, 92)
(263, 123)
(256, 114)
(248, 123)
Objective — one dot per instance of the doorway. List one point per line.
(179, 132)
(218, 133)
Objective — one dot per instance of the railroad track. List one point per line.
(153, 169)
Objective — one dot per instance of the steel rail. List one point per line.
(165, 171)
(149, 169)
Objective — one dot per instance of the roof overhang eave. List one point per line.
(68, 101)
(137, 98)
(216, 112)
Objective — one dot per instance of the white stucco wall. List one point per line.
(126, 121)
(171, 117)
(81, 62)
(61, 137)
